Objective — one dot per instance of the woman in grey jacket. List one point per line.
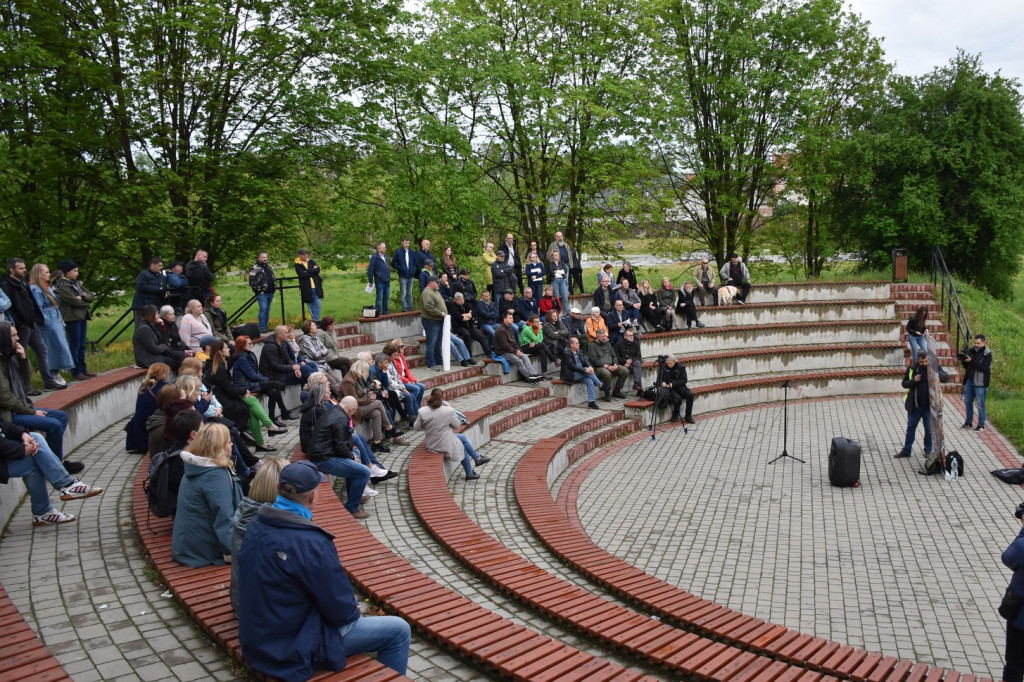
(439, 422)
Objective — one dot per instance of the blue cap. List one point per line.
(299, 477)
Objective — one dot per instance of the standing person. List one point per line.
(704, 283)
(199, 275)
(513, 259)
(536, 273)
(28, 319)
(977, 364)
(673, 377)
(918, 405)
(568, 257)
(262, 283)
(52, 328)
(575, 271)
(438, 421)
(74, 299)
(502, 275)
(917, 331)
(424, 254)
(1013, 558)
(150, 288)
(433, 312)
(297, 617)
(311, 285)
(488, 257)
(559, 272)
(448, 263)
(686, 307)
(379, 275)
(17, 407)
(735, 274)
(576, 369)
(404, 262)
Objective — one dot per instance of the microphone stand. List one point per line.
(785, 425)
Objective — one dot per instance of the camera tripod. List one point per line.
(785, 425)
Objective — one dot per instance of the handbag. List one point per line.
(369, 311)
(1010, 606)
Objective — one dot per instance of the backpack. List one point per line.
(162, 482)
(954, 455)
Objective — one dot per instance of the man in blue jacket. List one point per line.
(378, 273)
(297, 611)
(404, 261)
(1013, 558)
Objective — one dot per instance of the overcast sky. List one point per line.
(920, 35)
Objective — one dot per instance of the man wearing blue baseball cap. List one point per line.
(297, 611)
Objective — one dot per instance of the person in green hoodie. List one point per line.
(207, 499)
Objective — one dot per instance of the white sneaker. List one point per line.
(78, 490)
(59, 380)
(377, 472)
(368, 491)
(52, 517)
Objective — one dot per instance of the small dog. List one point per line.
(727, 295)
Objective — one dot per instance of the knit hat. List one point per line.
(67, 265)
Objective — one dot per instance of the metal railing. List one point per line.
(949, 299)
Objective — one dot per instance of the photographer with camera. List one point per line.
(977, 362)
(673, 377)
(1011, 607)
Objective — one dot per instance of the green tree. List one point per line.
(945, 166)
(735, 80)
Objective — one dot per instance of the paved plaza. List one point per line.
(905, 565)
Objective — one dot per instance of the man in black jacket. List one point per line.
(262, 283)
(601, 354)
(199, 275)
(977, 364)
(673, 377)
(28, 319)
(513, 260)
(918, 405)
(466, 286)
(311, 286)
(464, 324)
(151, 287)
(276, 361)
(627, 350)
(576, 369)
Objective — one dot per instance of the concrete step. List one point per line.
(355, 340)
(905, 309)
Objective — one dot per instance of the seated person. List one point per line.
(218, 319)
(618, 321)
(136, 440)
(439, 423)
(594, 324)
(278, 362)
(735, 274)
(27, 456)
(686, 307)
(604, 296)
(556, 334)
(327, 335)
(464, 323)
(627, 351)
(392, 399)
(526, 306)
(704, 283)
(149, 345)
(444, 287)
(548, 302)
(207, 499)
(630, 300)
(506, 344)
(576, 369)
(245, 375)
(193, 326)
(667, 303)
(507, 303)
(465, 286)
(531, 340)
(673, 377)
(301, 616)
(370, 407)
(262, 491)
(487, 316)
(602, 358)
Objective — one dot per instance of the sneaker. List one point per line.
(377, 471)
(472, 477)
(901, 454)
(51, 518)
(379, 447)
(78, 490)
(370, 492)
(700, 325)
(981, 427)
(73, 467)
(482, 460)
(54, 386)
(400, 441)
(965, 425)
(360, 514)
(59, 380)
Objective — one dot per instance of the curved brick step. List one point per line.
(23, 656)
(204, 592)
(611, 624)
(548, 458)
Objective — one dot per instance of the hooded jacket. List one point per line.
(309, 279)
(15, 373)
(207, 499)
(293, 597)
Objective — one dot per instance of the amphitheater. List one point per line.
(591, 548)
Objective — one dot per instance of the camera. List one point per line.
(662, 359)
(1019, 511)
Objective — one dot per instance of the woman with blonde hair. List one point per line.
(438, 421)
(52, 328)
(194, 326)
(370, 407)
(262, 490)
(207, 500)
(136, 438)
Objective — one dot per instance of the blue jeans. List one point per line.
(387, 635)
(561, 287)
(918, 344)
(413, 399)
(913, 418)
(264, 301)
(53, 426)
(489, 330)
(591, 382)
(314, 307)
(970, 393)
(433, 329)
(470, 456)
(76, 344)
(366, 455)
(459, 351)
(405, 292)
(36, 471)
(383, 294)
(356, 477)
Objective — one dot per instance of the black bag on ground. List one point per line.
(1011, 476)
(252, 330)
(954, 455)
(844, 462)
(651, 393)
(162, 482)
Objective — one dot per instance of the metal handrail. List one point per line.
(950, 300)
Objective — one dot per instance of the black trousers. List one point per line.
(576, 281)
(1014, 669)
(682, 395)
